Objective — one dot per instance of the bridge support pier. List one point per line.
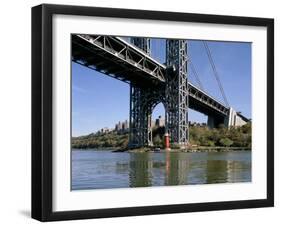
(174, 96)
(177, 92)
(211, 122)
(216, 121)
(140, 118)
(235, 118)
(142, 102)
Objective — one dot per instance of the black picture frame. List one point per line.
(42, 111)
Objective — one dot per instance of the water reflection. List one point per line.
(112, 170)
(140, 172)
(177, 168)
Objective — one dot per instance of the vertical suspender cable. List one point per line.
(195, 74)
(193, 69)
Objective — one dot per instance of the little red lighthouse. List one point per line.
(167, 141)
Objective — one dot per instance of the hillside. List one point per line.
(199, 136)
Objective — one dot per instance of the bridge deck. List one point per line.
(117, 58)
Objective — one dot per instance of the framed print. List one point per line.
(146, 112)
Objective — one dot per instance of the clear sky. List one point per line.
(101, 101)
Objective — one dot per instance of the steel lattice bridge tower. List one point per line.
(151, 83)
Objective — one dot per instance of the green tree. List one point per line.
(226, 142)
(157, 141)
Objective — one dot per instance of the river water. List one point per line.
(96, 169)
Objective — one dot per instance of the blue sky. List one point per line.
(101, 101)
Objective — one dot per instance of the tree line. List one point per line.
(222, 136)
(198, 136)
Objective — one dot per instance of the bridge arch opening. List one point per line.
(158, 124)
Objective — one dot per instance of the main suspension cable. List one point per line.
(208, 51)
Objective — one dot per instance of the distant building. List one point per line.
(118, 126)
(125, 125)
(159, 122)
(105, 130)
(197, 124)
(122, 127)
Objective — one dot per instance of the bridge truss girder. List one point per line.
(117, 58)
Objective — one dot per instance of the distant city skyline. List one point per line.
(100, 101)
(123, 126)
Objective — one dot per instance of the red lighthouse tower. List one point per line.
(167, 141)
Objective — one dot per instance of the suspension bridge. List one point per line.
(152, 82)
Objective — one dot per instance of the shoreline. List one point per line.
(186, 150)
(192, 150)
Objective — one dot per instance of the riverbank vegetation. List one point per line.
(200, 136)
(222, 137)
(106, 140)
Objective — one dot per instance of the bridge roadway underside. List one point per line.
(118, 59)
(115, 58)
(217, 118)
